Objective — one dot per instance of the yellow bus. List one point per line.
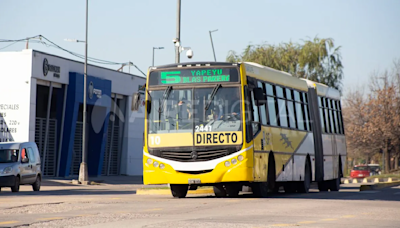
(230, 125)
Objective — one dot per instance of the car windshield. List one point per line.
(361, 168)
(184, 110)
(8, 156)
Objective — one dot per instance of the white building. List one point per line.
(114, 142)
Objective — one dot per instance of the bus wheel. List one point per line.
(179, 190)
(334, 185)
(304, 186)
(289, 187)
(260, 189)
(323, 186)
(233, 189)
(219, 190)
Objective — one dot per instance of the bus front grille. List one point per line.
(191, 156)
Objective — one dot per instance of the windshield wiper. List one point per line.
(212, 96)
(165, 97)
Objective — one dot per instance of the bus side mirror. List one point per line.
(259, 96)
(148, 105)
(135, 101)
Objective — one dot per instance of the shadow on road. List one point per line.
(345, 193)
(65, 192)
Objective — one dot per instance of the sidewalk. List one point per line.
(136, 181)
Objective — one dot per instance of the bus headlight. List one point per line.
(149, 161)
(240, 157)
(162, 166)
(155, 164)
(234, 161)
(227, 163)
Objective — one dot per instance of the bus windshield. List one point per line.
(184, 110)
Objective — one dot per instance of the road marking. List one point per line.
(54, 218)
(307, 222)
(154, 209)
(285, 224)
(348, 216)
(85, 215)
(8, 222)
(329, 219)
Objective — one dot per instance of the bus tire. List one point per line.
(304, 186)
(323, 186)
(219, 190)
(232, 189)
(260, 189)
(334, 185)
(290, 187)
(179, 190)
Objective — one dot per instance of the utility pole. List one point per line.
(83, 171)
(212, 44)
(178, 32)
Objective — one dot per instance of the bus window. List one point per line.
(272, 111)
(299, 116)
(263, 112)
(282, 113)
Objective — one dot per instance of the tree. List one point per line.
(316, 59)
(372, 122)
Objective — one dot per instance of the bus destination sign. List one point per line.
(186, 76)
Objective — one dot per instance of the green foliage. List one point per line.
(318, 59)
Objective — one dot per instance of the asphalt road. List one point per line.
(119, 206)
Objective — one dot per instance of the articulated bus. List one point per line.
(232, 125)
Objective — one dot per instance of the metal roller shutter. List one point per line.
(50, 162)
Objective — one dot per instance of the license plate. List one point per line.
(360, 175)
(194, 181)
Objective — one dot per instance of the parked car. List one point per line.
(20, 165)
(375, 169)
(360, 171)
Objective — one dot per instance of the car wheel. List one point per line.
(179, 190)
(36, 184)
(15, 188)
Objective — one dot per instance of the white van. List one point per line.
(20, 164)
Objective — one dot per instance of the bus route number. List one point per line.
(203, 128)
(155, 140)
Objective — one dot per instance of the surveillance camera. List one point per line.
(189, 53)
(175, 40)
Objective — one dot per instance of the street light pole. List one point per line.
(153, 53)
(178, 32)
(212, 44)
(83, 171)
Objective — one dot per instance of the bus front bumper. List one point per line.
(234, 173)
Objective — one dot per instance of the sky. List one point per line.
(368, 31)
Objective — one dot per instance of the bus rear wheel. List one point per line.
(304, 186)
(179, 190)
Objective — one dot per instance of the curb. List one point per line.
(168, 192)
(378, 185)
(365, 180)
